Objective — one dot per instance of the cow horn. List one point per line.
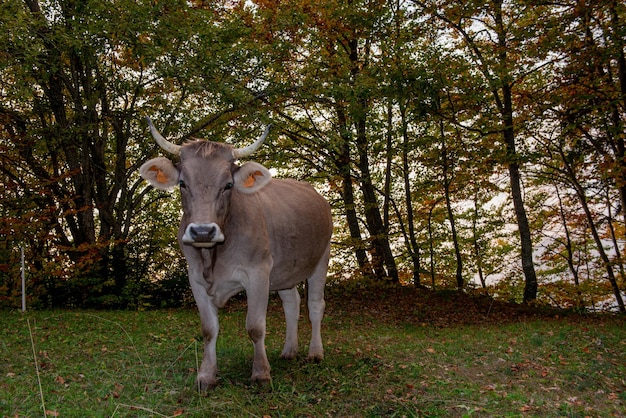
(163, 143)
(250, 149)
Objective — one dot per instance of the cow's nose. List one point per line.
(203, 235)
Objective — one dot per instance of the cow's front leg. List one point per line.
(291, 306)
(255, 325)
(207, 374)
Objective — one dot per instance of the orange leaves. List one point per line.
(116, 393)
(268, 4)
(527, 367)
(526, 408)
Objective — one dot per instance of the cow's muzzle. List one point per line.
(203, 235)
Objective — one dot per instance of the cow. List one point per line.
(242, 230)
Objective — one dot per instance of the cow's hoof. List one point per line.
(261, 380)
(315, 357)
(289, 354)
(205, 384)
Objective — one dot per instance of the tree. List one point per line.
(76, 85)
(583, 125)
(410, 115)
(501, 39)
(592, 94)
(67, 133)
(339, 40)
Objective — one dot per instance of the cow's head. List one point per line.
(207, 176)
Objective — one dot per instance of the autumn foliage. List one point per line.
(463, 145)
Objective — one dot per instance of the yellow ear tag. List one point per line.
(249, 182)
(160, 176)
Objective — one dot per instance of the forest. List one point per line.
(474, 145)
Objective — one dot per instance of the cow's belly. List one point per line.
(284, 275)
(295, 267)
(287, 276)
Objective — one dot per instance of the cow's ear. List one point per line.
(251, 177)
(160, 172)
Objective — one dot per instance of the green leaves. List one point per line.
(373, 102)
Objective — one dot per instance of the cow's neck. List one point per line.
(208, 260)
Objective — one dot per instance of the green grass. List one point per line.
(142, 364)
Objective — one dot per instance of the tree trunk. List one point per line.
(445, 164)
(582, 197)
(381, 250)
(505, 106)
(382, 255)
(347, 193)
(431, 249)
(528, 267)
(618, 252)
(412, 246)
(569, 253)
(618, 40)
(476, 244)
(389, 154)
(603, 256)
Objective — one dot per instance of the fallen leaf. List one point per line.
(52, 413)
(178, 412)
(431, 350)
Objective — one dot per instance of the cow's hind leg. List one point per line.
(291, 306)
(316, 305)
(255, 325)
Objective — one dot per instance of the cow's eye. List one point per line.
(228, 186)
(182, 184)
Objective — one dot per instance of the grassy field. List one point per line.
(392, 353)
